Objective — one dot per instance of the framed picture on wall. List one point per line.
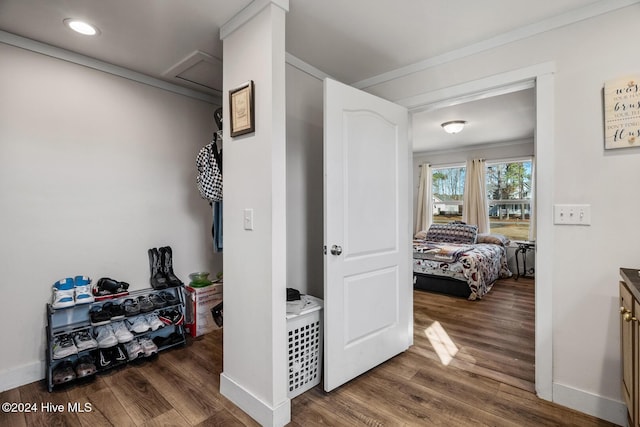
(241, 107)
(622, 112)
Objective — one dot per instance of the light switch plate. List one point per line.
(248, 219)
(572, 214)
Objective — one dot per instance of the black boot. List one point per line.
(167, 267)
(157, 279)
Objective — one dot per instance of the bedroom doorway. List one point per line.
(540, 78)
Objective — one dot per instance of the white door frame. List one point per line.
(542, 76)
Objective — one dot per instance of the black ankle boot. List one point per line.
(166, 256)
(157, 279)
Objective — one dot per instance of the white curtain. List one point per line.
(532, 205)
(425, 205)
(475, 209)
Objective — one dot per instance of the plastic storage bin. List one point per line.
(304, 337)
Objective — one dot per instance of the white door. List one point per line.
(368, 299)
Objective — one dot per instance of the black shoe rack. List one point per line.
(74, 319)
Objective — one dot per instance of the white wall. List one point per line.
(94, 171)
(585, 335)
(255, 262)
(305, 223)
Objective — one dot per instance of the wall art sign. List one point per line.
(622, 113)
(241, 107)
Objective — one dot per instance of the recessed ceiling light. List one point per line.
(81, 27)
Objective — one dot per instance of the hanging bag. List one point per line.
(209, 179)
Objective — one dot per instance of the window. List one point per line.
(447, 192)
(509, 195)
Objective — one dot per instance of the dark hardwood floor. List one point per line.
(471, 364)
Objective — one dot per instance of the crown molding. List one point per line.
(595, 9)
(246, 14)
(306, 67)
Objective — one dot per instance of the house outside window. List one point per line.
(447, 192)
(509, 193)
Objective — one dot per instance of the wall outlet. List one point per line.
(572, 214)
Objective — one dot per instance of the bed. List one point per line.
(454, 259)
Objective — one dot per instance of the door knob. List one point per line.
(336, 250)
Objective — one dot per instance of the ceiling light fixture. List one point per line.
(81, 27)
(453, 126)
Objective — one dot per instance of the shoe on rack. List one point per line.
(115, 310)
(169, 298)
(107, 288)
(154, 322)
(131, 307)
(117, 354)
(82, 290)
(148, 346)
(63, 346)
(84, 366)
(166, 255)
(139, 325)
(134, 350)
(171, 317)
(157, 278)
(63, 293)
(121, 332)
(173, 338)
(99, 316)
(101, 359)
(105, 336)
(157, 301)
(145, 304)
(84, 341)
(63, 373)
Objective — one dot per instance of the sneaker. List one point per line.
(157, 301)
(99, 316)
(105, 336)
(134, 349)
(84, 341)
(148, 346)
(154, 322)
(82, 290)
(173, 338)
(131, 307)
(63, 293)
(84, 367)
(107, 288)
(118, 355)
(139, 325)
(63, 373)
(145, 304)
(171, 317)
(169, 298)
(121, 332)
(101, 359)
(114, 309)
(63, 346)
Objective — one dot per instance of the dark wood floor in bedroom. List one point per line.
(488, 380)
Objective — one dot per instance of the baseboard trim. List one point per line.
(256, 408)
(21, 375)
(604, 408)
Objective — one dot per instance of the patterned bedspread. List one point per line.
(479, 265)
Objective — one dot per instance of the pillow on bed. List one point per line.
(496, 239)
(420, 235)
(454, 232)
